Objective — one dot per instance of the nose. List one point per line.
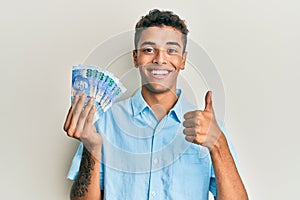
(160, 57)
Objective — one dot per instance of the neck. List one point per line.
(160, 103)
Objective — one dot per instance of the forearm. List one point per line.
(229, 183)
(87, 184)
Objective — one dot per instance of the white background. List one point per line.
(255, 46)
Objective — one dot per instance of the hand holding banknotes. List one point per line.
(79, 124)
(94, 90)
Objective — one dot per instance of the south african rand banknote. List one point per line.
(98, 83)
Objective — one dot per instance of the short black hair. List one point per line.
(159, 18)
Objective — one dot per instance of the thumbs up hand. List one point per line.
(201, 127)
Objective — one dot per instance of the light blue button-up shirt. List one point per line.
(146, 159)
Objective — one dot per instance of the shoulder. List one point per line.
(120, 106)
(119, 110)
(123, 107)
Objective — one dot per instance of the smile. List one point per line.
(159, 73)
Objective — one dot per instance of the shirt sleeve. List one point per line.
(212, 185)
(74, 169)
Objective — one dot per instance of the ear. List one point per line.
(134, 55)
(184, 55)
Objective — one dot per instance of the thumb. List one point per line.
(208, 101)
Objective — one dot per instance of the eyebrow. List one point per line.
(147, 43)
(174, 43)
(152, 43)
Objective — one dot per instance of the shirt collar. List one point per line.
(177, 108)
(138, 104)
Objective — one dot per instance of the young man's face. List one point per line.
(160, 57)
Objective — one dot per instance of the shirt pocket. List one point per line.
(191, 174)
(191, 163)
(189, 158)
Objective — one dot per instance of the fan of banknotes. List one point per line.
(96, 82)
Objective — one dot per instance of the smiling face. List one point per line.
(160, 57)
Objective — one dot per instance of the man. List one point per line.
(153, 144)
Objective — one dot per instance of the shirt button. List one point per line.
(155, 161)
(153, 193)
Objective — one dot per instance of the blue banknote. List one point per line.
(98, 83)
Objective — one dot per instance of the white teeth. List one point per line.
(159, 72)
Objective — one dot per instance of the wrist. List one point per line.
(220, 146)
(94, 152)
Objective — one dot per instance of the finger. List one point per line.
(189, 131)
(190, 138)
(89, 120)
(70, 113)
(192, 122)
(68, 119)
(208, 101)
(90, 117)
(192, 114)
(200, 139)
(189, 115)
(83, 116)
(76, 113)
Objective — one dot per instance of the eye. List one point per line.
(172, 50)
(148, 50)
